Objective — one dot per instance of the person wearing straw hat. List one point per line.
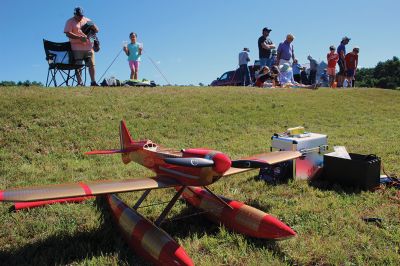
(243, 67)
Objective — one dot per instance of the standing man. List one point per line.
(265, 46)
(341, 50)
(81, 46)
(285, 50)
(244, 69)
(313, 70)
(351, 61)
(296, 71)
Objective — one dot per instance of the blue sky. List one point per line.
(195, 41)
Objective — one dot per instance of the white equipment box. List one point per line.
(312, 145)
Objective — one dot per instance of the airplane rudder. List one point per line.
(125, 140)
(125, 136)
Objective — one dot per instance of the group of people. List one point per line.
(82, 47)
(279, 66)
(347, 64)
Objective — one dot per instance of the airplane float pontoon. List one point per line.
(189, 171)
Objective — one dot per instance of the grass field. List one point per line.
(44, 133)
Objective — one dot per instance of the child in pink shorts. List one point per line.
(133, 51)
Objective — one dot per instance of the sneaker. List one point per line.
(80, 85)
(94, 84)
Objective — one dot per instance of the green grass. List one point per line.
(44, 133)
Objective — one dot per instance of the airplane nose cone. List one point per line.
(182, 258)
(222, 163)
(173, 254)
(275, 228)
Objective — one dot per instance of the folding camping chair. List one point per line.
(61, 62)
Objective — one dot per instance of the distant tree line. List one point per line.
(385, 75)
(25, 83)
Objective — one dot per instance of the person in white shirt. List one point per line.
(244, 69)
(287, 81)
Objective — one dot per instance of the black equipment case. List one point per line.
(362, 171)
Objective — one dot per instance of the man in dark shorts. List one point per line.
(351, 61)
(265, 46)
(341, 50)
(81, 46)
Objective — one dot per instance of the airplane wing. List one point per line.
(269, 158)
(84, 189)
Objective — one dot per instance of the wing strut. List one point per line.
(162, 216)
(218, 198)
(141, 199)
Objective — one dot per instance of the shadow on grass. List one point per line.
(68, 249)
(273, 246)
(324, 185)
(106, 241)
(188, 222)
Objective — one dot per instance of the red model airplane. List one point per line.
(187, 171)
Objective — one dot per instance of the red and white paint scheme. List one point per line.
(183, 169)
(238, 216)
(148, 240)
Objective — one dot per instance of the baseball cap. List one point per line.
(332, 47)
(346, 38)
(246, 49)
(78, 11)
(266, 29)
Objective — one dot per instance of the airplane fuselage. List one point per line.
(152, 157)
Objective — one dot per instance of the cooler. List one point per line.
(312, 145)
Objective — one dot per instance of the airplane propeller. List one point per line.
(249, 164)
(201, 162)
(190, 162)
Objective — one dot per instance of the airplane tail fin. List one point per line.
(127, 144)
(126, 141)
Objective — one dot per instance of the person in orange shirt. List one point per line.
(332, 58)
(81, 46)
(351, 61)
